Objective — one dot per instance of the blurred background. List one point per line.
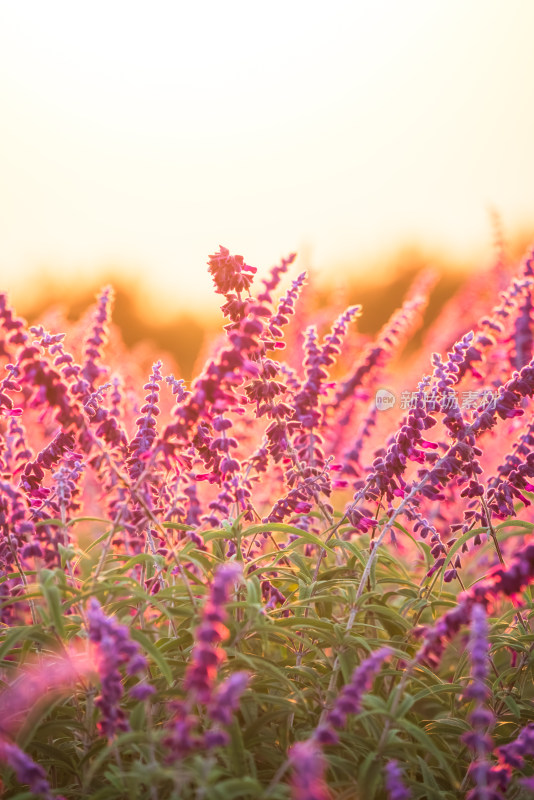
(373, 138)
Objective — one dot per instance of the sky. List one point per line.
(142, 136)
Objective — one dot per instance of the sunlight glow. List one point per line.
(145, 138)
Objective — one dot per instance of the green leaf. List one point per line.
(280, 527)
(512, 706)
(179, 526)
(143, 558)
(369, 777)
(138, 717)
(236, 789)
(50, 521)
(236, 749)
(424, 740)
(100, 539)
(432, 788)
(392, 621)
(17, 635)
(66, 553)
(153, 651)
(407, 533)
(441, 688)
(52, 596)
(447, 727)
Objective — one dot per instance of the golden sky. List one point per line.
(146, 134)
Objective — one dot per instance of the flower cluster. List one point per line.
(157, 497)
(230, 273)
(350, 698)
(222, 699)
(92, 369)
(114, 650)
(481, 718)
(394, 782)
(309, 767)
(26, 770)
(207, 656)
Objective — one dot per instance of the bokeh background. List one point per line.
(373, 138)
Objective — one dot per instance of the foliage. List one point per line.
(301, 577)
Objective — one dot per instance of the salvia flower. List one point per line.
(98, 336)
(43, 386)
(66, 479)
(177, 387)
(319, 357)
(276, 273)
(207, 657)
(181, 737)
(309, 767)
(145, 436)
(514, 753)
(509, 581)
(387, 471)
(230, 273)
(480, 717)
(349, 699)
(394, 782)
(26, 770)
(479, 650)
(18, 449)
(213, 392)
(225, 700)
(14, 328)
(286, 308)
(522, 348)
(200, 680)
(115, 649)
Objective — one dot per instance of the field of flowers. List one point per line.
(304, 574)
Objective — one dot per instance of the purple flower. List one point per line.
(26, 770)
(206, 655)
(15, 327)
(309, 767)
(318, 358)
(32, 549)
(387, 473)
(286, 308)
(350, 698)
(97, 338)
(43, 386)
(142, 691)
(522, 335)
(509, 581)
(67, 478)
(181, 738)
(479, 652)
(489, 781)
(143, 440)
(514, 753)
(115, 649)
(213, 392)
(226, 698)
(215, 738)
(230, 273)
(394, 783)
(276, 274)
